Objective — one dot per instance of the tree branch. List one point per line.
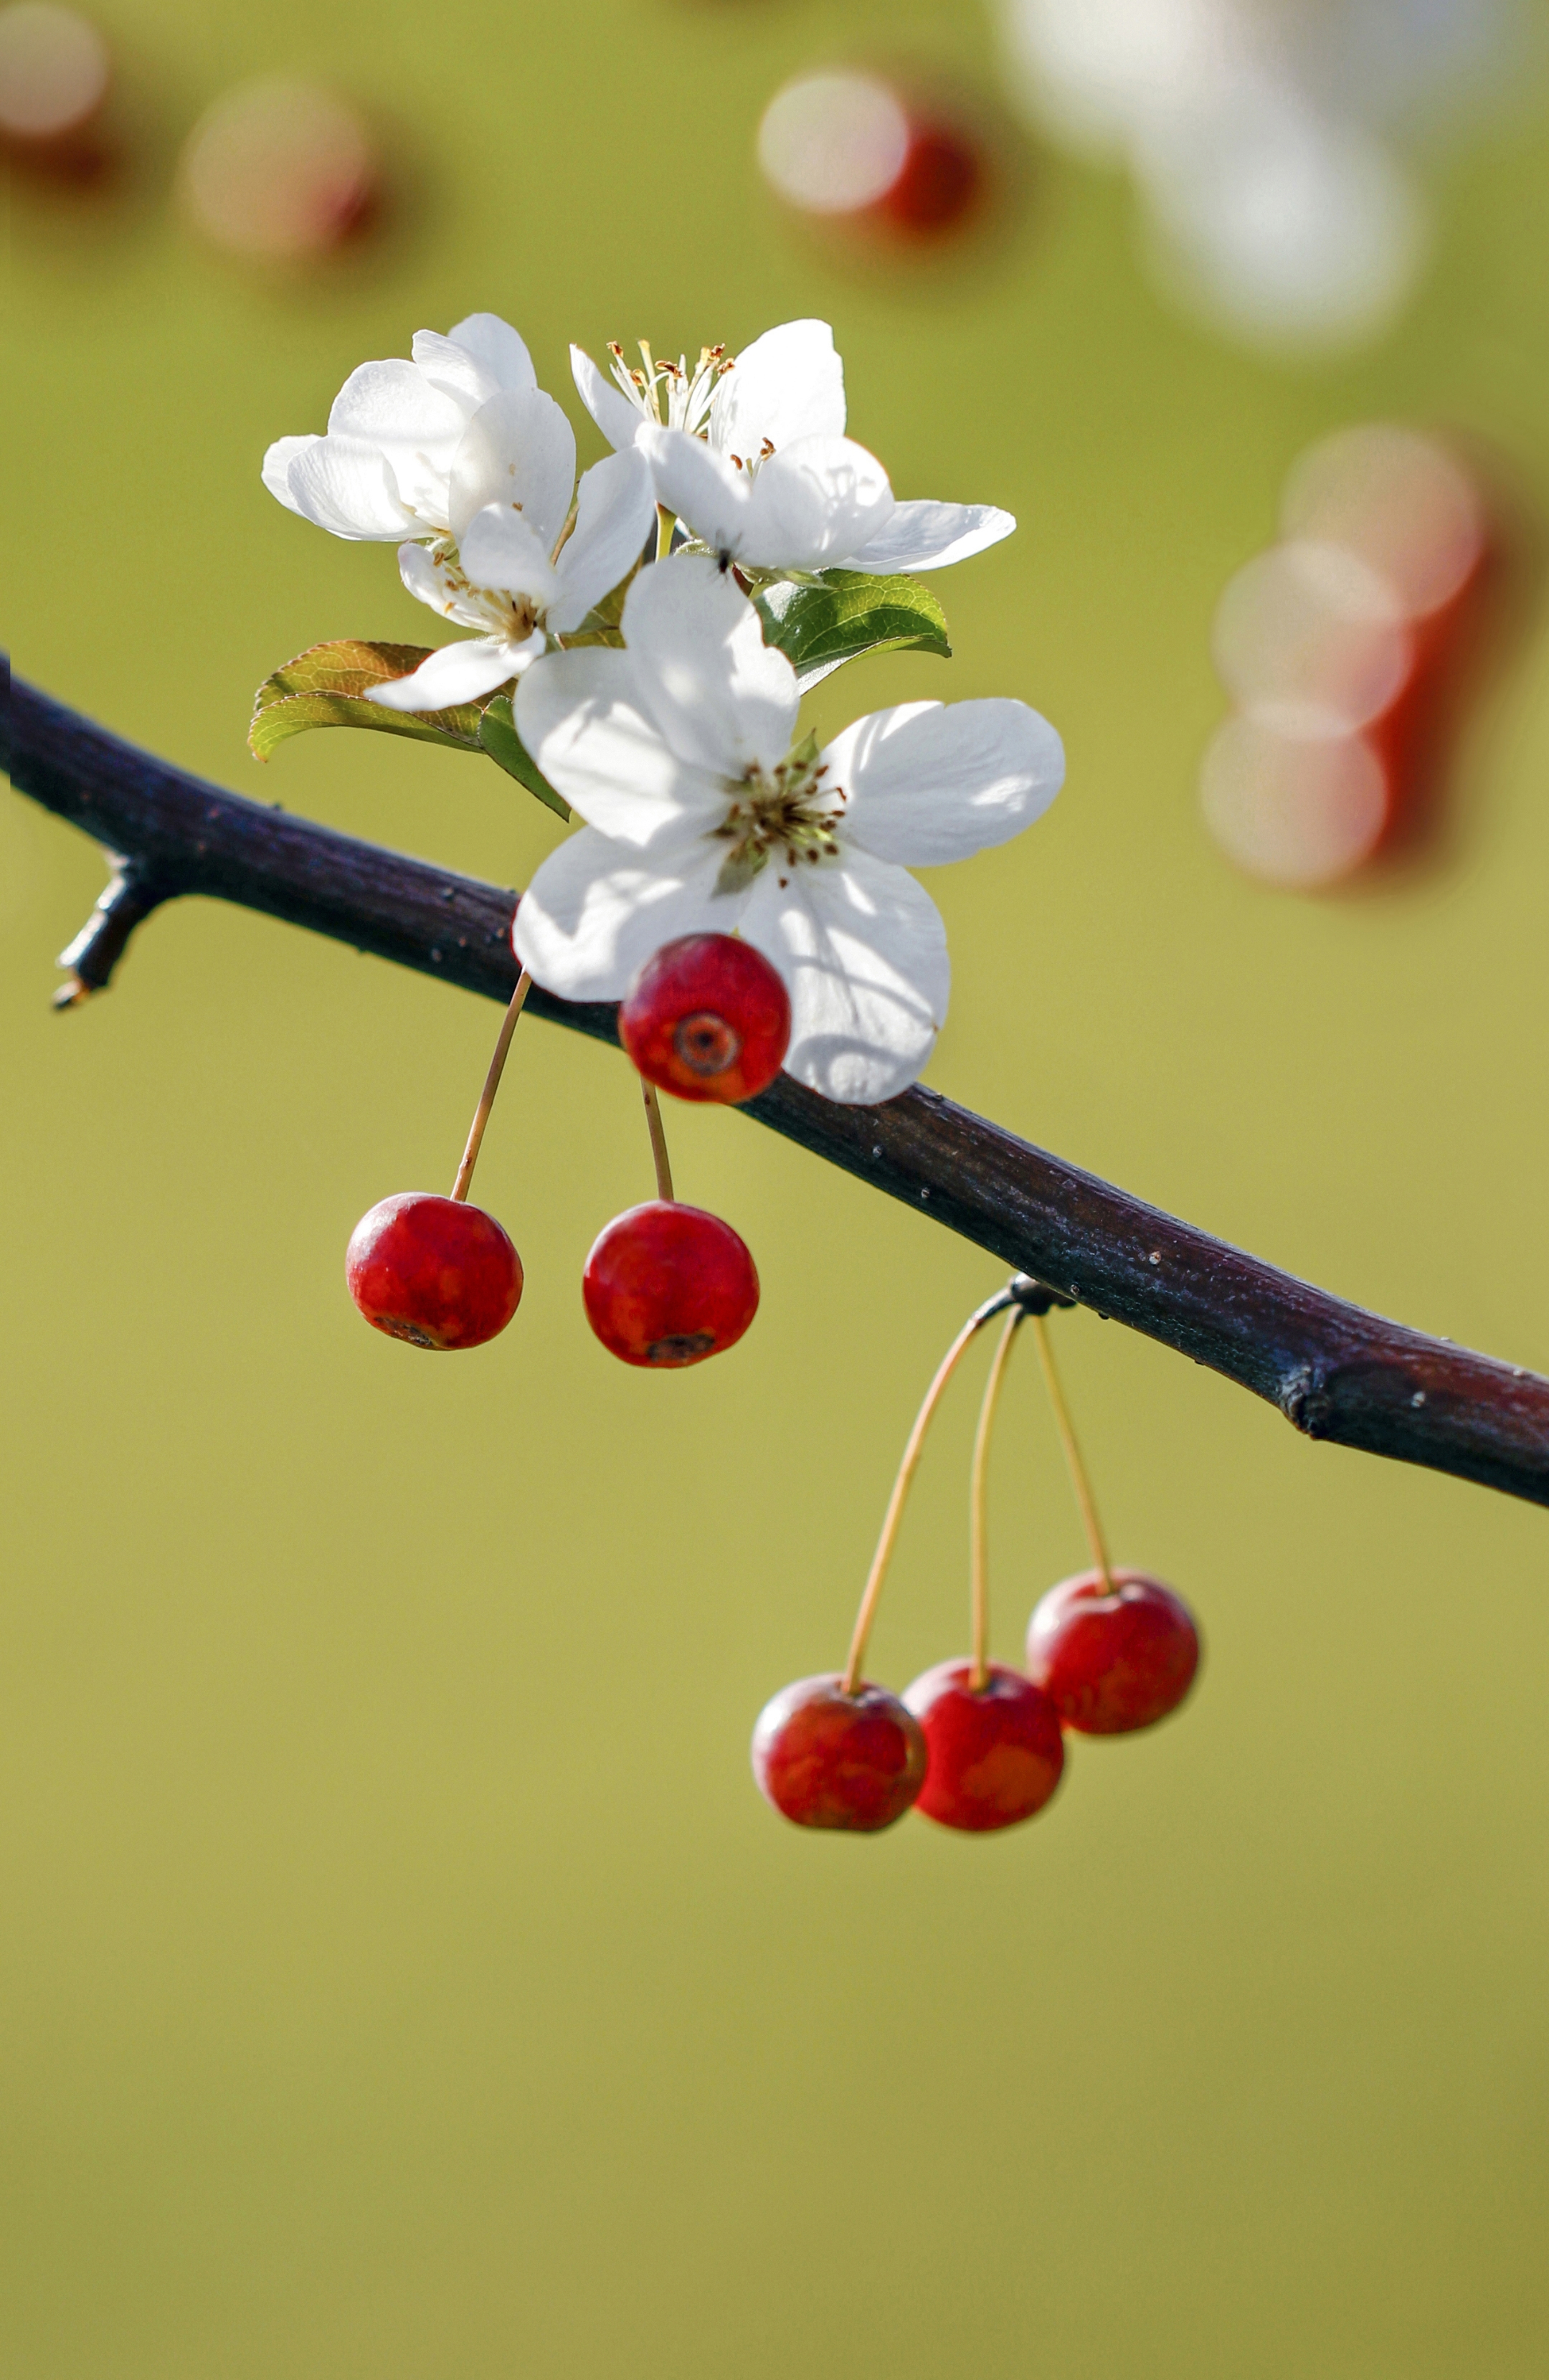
(1333, 1370)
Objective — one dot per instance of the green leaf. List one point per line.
(848, 613)
(325, 686)
(497, 734)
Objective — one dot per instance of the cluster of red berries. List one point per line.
(1105, 1656)
(666, 1284)
(975, 1744)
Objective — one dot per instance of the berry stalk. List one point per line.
(1073, 1465)
(659, 1157)
(910, 1465)
(492, 1084)
(979, 1553)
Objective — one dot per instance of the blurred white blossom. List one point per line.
(1265, 137)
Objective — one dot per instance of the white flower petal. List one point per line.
(394, 405)
(616, 419)
(725, 700)
(812, 504)
(706, 491)
(580, 716)
(478, 357)
(278, 461)
(430, 582)
(930, 782)
(923, 536)
(519, 449)
(597, 909)
(451, 370)
(346, 486)
(863, 953)
(614, 506)
(460, 672)
(788, 384)
(500, 552)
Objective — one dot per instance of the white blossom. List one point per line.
(513, 575)
(387, 466)
(701, 817)
(751, 456)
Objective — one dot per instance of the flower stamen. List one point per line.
(785, 811)
(668, 392)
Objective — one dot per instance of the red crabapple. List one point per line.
(707, 1019)
(940, 183)
(996, 1752)
(1112, 1662)
(668, 1284)
(434, 1270)
(825, 1758)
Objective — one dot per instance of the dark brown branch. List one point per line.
(1335, 1371)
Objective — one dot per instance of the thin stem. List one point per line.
(658, 1142)
(1076, 1468)
(979, 1551)
(567, 532)
(907, 1469)
(492, 1084)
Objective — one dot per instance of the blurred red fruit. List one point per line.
(55, 72)
(1352, 649)
(857, 149)
(939, 184)
(280, 171)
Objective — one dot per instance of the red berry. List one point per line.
(939, 184)
(1112, 1662)
(995, 1753)
(668, 1284)
(432, 1270)
(826, 1758)
(707, 1019)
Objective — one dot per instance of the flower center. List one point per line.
(511, 616)
(672, 394)
(787, 814)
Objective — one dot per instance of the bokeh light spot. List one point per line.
(1310, 640)
(1399, 500)
(1298, 811)
(833, 144)
(54, 72)
(279, 170)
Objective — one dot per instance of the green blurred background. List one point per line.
(402, 1978)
